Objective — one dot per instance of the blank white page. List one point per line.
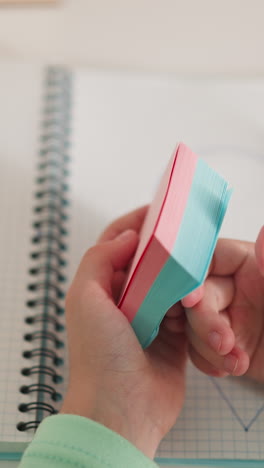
(124, 130)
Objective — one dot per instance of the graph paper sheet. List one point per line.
(124, 122)
(19, 120)
(222, 418)
(21, 115)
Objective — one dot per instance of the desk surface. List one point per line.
(187, 38)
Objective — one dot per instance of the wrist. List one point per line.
(131, 425)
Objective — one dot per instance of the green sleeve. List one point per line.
(68, 441)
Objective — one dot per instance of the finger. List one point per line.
(179, 356)
(193, 298)
(181, 351)
(117, 282)
(175, 319)
(170, 349)
(205, 320)
(174, 324)
(234, 363)
(259, 250)
(132, 220)
(228, 257)
(203, 365)
(175, 310)
(101, 261)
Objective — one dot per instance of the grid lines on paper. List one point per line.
(16, 205)
(208, 428)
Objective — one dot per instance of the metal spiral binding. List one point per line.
(48, 257)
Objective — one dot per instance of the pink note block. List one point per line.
(159, 230)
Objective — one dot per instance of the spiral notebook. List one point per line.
(77, 149)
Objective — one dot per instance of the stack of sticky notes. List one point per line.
(177, 241)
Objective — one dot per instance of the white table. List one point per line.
(188, 38)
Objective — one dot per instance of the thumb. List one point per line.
(101, 261)
(259, 251)
(193, 298)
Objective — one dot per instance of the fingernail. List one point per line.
(230, 363)
(215, 340)
(125, 235)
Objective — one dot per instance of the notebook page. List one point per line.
(125, 128)
(20, 93)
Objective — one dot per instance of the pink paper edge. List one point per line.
(129, 302)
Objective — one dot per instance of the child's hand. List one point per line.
(225, 317)
(112, 380)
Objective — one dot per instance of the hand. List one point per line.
(113, 381)
(225, 317)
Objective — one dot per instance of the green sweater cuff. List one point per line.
(74, 441)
